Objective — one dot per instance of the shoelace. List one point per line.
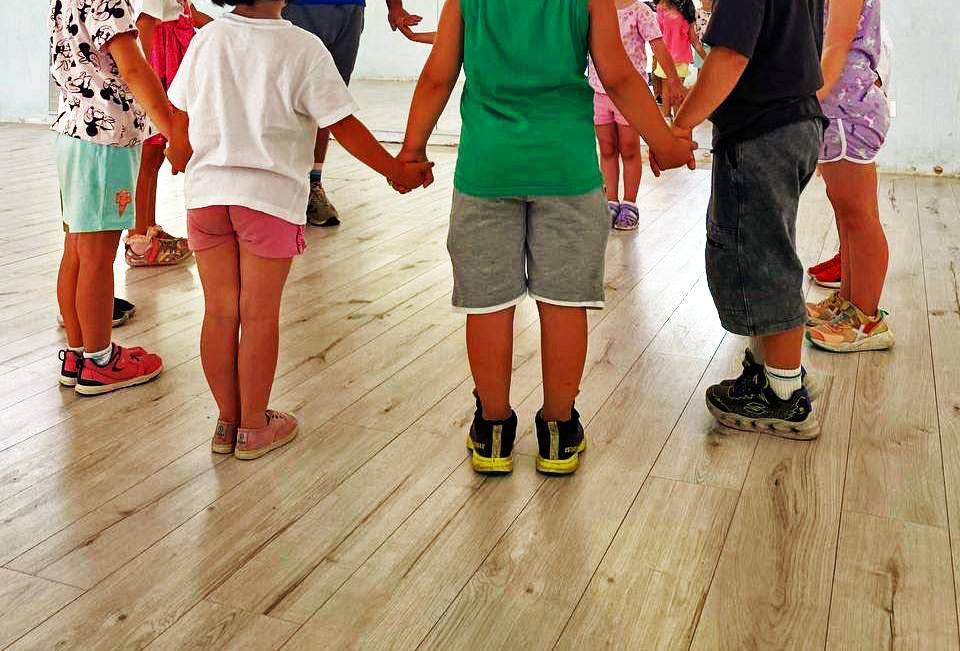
(744, 382)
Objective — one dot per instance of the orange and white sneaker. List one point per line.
(224, 438)
(127, 367)
(281, 428)
(852, 331)
(825, 310)
(156, 248)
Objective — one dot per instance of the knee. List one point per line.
(254, 311)
(222, 307)
(629, 150)
(608, 148)
(854, 211)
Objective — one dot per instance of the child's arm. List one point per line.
(721, 72)
(662, 54)
(436, 82)
(418, 37)
(695, 41)
(361, 144)
(200, 19)
(142, 80)
(179, 152)
(629, 91)
(841, 29)
(147, 25)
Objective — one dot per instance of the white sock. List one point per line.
(78, 350)
(100, 358)
(784, 381)
(632, 204)
(756, 347)
(611, 202)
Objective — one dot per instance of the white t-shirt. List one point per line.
(256, 90)
(163, 10)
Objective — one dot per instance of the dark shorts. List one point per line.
(338, 26)
(753, 270)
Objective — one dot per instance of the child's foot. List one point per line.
(281, 428)
(749, 404)
(628, 217)
(123, 311)
(852, 331)
(224, 438)
(156, 248)
(70, 367)
(559, 444)
(825, 310)
(827, 273)
(320, 212)
(127, 367)
(491, 443)
(613, 207)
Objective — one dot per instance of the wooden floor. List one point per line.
(119, 529)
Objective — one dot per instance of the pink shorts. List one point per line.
(267, 236)
(604, 112)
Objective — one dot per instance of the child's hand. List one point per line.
(677, 92)
(415, 171)
(681, 152)
(179, 152)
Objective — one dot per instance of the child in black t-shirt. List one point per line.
(759, 87)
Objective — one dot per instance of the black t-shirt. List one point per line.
(783, 40)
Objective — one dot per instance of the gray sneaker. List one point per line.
(320, 212)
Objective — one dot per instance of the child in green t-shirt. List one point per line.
(529, 215)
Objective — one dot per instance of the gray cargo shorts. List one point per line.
(753, 270)
(551, 248)
(338, 26)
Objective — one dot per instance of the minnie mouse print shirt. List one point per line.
(95, 103)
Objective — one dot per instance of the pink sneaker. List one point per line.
(70, 368)
(254, 443)
(127, 367)
(224, 438)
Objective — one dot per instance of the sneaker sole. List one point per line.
(489, 465)
(805, 431)
(68, 381)
(561, 466)
(84, 390)
(250, 455)
(625, 228)
(222, 449)
(829, 284)
(882, 341)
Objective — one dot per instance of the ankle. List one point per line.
(258, 421)
(555, 414)
(497, 414)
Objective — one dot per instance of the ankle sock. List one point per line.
(78, 350)
(784, 381)
(100, 358)
(632, 204)
(316, 174)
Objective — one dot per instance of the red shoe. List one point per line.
(127, 367)
(254, 443)
(70, 367)
(224, 438)
(827, 273)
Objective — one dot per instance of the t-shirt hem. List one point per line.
(335, 116)
(527, 190)
(298, 218)
(136, 143)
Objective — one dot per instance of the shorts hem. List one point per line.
(460, 309)
(594, 305)
(739, 328)
(102, 228)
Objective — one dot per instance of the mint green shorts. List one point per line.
(98, 185)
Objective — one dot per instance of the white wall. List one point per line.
(925, 133)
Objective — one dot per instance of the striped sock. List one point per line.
(784, 381)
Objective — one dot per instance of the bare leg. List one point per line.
(629, 141)
(563, 343)
(67, 291)
(852, 189)
(320, 148)
(609, 159)
(219, 269)
(150, 164)
(490, 350)
(783, 349)
(261, 289)
(94, 304)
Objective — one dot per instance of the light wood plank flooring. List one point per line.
(119, 529)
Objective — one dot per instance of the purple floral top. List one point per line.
(856, 94)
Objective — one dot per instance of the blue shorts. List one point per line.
(98, 185)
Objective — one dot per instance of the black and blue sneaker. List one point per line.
(491, 443)
(749, 404)
(809, 382)
(559, 444)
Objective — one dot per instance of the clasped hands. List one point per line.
(414, 171)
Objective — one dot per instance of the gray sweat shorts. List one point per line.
(753, 270)
(338, 26)
(551, 248)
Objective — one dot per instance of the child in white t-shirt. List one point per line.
(254, 90)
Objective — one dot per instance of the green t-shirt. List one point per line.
(527, 108)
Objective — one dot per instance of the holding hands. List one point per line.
(414, 171)
(681, 151)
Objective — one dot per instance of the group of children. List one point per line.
(530, 213)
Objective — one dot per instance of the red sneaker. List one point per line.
(827, 273)
(127, 367)
(224, 438)
(70, 367)
(254, 443)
